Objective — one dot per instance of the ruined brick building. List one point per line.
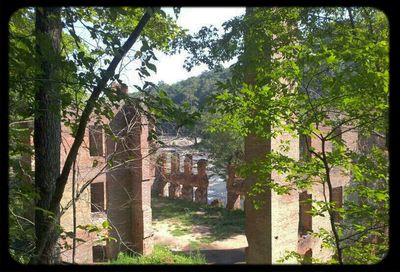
(282, 222)
(186, 185)
(122, 172)
(122, 169)
(113, 178)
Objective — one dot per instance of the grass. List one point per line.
(180, 231)
(194, 245)
(161, 255)
(223, 223)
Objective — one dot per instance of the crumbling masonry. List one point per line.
(113, 178)
(122, 170)
(283, 221)
(182, 185)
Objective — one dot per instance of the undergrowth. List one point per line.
(161, 255)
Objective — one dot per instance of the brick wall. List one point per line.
(85, 170)
(129, 188)
(126, 188)
(284, 208)
(274, 228)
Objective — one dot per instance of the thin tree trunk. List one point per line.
(47, 132)
(331, 213)
(74, 192)
(351, 17)
(73, 211)
(353, 26)
(324, 160)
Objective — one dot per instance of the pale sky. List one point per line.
(170, 68)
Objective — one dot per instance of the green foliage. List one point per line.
(160, 255)
(365, 229)
(294, 257)
(101, 233)
(223, 148)
(299, 70)
(192, 95)
(21, 228)
(195, 90)
(21, 190)
(108, 27)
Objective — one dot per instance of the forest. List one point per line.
(302, 112)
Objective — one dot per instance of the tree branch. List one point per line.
(363, 232)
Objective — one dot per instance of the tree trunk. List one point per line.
(255, 147)
(338, 253)
(73, 211)
(53, 189)
(47, 133)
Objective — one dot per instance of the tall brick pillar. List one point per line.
(128, 183)
(187, 188)
(143, 172)
(258, 221)
(273, 227)
(174, 188)
(200, 194)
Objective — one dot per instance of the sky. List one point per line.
(170, 68)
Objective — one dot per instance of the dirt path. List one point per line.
(227, 251)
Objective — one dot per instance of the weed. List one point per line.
(161, 255)
(180, 231)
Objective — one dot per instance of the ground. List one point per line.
(183, 227)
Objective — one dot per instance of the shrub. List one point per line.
(161, 255)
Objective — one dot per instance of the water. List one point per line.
(216, 189)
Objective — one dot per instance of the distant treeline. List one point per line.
(193, 91)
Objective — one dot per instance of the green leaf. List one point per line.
(95, 163)
(331, 59)
(151, 67)
(106, 224)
